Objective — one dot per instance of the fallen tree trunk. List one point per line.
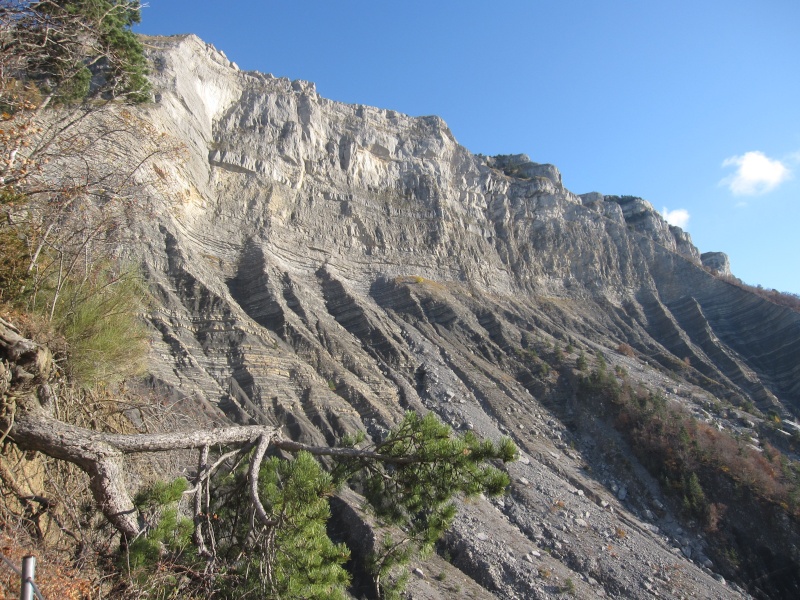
(27, 420)
(100, 455)
(25, 368)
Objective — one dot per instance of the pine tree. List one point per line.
(70, 49)
(292, 558)
(409, 480)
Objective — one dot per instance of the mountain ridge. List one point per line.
(325, 266)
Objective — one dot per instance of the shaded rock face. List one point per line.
(327, 266)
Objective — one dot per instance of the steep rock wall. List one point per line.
(326, 266)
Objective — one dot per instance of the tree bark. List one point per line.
(292, 446)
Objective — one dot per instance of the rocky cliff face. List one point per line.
(327, 266)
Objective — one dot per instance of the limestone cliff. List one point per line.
(326, 266)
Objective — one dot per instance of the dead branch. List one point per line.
(100, 454)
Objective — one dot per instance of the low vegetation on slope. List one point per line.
(721, 483)
(677, 447)
(787, 299)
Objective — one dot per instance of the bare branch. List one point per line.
(100, 454)
(199, 520)
(252, 477)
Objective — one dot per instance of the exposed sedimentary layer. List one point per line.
(326, 266)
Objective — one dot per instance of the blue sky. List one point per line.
(694, 106)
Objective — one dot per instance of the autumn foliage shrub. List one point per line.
(54, 577)
(692, 458)
(626, 350)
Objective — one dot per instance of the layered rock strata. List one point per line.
(325, 266)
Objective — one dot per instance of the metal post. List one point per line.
(26, 578)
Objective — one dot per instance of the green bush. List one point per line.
(544, 369)
(99, 318)
(169, 531)
(581, 363)
(305, 562)
(292, 557)
(694, 498)
(568, 587)
(558, 355)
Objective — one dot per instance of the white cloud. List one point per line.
(755, 174)
(678, 217)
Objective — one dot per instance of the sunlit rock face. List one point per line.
(717, 262)
(327, 266)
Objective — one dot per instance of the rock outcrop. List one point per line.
(718, 262)
(324, 267)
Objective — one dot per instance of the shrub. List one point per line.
(694, 498)
(307, 564)
(544, 369)
(601, 362)
(14, 277)
(626, 350)
(558, 355)
(169, 533)
(99, 318)
(568, 587)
